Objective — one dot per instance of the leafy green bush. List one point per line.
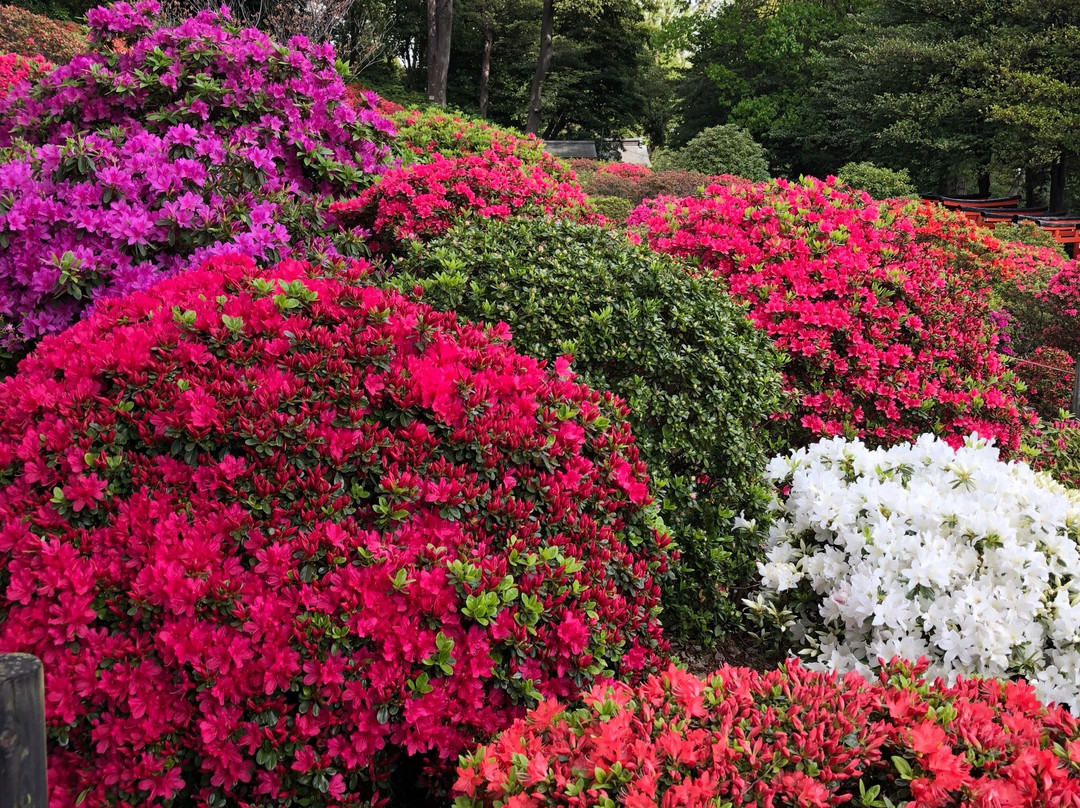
(421, 134)
(1027, 233)
(613, 207)
(879, 182)
(1053, 446)
(698, 377)
(727, 149)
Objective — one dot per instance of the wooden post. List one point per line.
(1076, 387)
(22, 732)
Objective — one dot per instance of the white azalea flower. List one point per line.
(923, 550)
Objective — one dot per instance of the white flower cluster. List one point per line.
(923, 550)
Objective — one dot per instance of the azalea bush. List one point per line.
(421, 201)
(1053, 446)
(15, 68)
(1047, 374)
(423, 134)
(636, 186)
(170, 145)
(888, 334)
(628, 170)
(791, 737)
(699, 379)
(29, 34)
(299, 529)
(923, 550)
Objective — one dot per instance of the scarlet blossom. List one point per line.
(789, 737)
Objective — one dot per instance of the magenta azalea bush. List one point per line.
(162, 147)
(273, 531)
(887, 328)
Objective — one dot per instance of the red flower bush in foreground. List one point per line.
(270, 531)
(886, 338)
(791, 737)
(420, 202)
(15, 68)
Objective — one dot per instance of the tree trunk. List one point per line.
(984, 184)
(1059, 174)
(543, 63)
(485, 69)
(439, 20)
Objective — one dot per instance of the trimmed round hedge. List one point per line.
(698, 377)
(274, 531)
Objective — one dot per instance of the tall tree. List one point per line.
(952, 88)
(754, 64)
(543, 64)
(440, 20)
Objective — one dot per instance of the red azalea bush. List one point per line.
(14, 68)
(271, 531)
(791, 737)
(362, 98)
(886, 338)
(31, 34)
(637, 186)
(629, 170)
(424, 200)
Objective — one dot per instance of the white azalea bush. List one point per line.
(925, 550)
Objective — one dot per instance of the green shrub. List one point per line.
(1027, 233)
(727, 149)
(425, 133)
(613, 207)
(879, 182)
(699, 378)
(1053, 446)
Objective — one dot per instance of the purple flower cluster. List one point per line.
(165, 146)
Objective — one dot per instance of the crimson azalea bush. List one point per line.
(271, 531)
(886, 339)
(142, 158)
(29, 34)
(791, 737)
(421, 201)
(14, 68)
(629, 170)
